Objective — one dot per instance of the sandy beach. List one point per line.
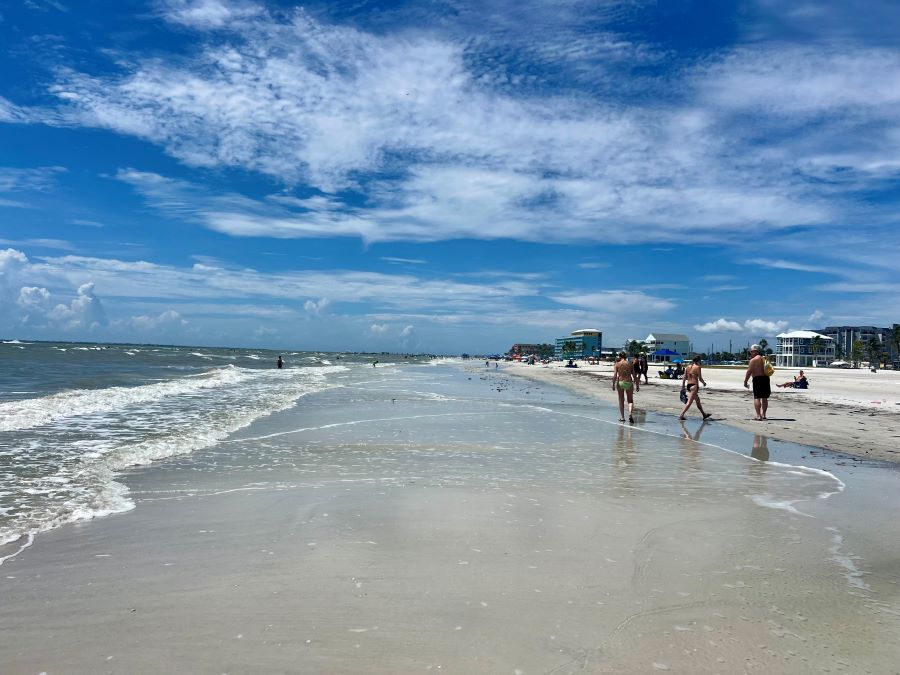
(853, 411)
(457, 519)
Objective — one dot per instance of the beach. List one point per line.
(853, 411)
(446, 517)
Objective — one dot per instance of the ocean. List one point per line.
(73, 416)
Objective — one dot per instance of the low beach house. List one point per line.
(796, 349)
(584, 343)
(659, 346)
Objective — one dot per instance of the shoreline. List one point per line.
(839, 412)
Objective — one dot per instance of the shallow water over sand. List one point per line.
(432, 516)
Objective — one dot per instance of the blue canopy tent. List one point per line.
(665, 354)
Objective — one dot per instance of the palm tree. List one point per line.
(895, 339)
(816, 345)
(838, 351)
(857, 352)
(568, 349)
(873, 348)
(763, 343)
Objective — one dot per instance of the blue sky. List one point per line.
(446, 176)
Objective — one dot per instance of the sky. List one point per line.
(446, 176)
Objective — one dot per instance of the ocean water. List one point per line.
(74, 416)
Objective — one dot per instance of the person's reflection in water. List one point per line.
(623, 463)
(690, 446)
(760, 449)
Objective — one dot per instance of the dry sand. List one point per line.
(851, 411)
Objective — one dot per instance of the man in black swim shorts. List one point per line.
(762, 388)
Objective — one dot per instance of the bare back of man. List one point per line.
(762, 388)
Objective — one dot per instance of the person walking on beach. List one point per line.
(626, 380)
(762, 388)
(642, 360)
(693, 376)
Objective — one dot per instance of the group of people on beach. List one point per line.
(627, 381)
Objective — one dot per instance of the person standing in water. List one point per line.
(762, 388)
(693, 376)
(280, 361)
(626, 380)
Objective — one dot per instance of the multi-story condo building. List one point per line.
(795, 350)
(845, 336)
(587, 342)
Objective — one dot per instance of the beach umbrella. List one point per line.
(678, 360)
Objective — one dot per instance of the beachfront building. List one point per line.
(667, 346)
(845, 336)
(586, 343)
(521, 349)
(795, 350)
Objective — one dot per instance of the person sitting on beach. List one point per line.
(693, 376)
(670, 371)
(799, 382)
(625, 379)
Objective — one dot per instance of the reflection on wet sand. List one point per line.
(760, 448)
(690, 446)
(623, 462)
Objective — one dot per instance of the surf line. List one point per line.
(821, 472)
(352, 422)
(28, 542)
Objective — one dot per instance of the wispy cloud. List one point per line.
(339, 108)
(403, 261)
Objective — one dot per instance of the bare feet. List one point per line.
(706, 416)
(631, 419)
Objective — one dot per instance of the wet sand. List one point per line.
(469, 523)
(851, 411)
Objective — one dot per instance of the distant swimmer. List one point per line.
(374, 363)
(626, 380)
(280, 361)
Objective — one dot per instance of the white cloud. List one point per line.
(378, 329)
(316, 306)
(208, 14)
(84, 312)
(757, 326)
(815, 317)
(791, 265)
(764, 327)
(299, 100)
(33, 297)
(152, 324)
(616, 302)
(407, 331)
(719, 326)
